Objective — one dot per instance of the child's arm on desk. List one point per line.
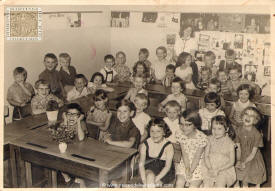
(80, 131)
(127, 144)
(142, 163)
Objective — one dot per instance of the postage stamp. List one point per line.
(24, 23)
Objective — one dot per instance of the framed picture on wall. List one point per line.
(238, 41)
(170, 39)
(120, 19)
(267, 70)
(257, 23)
(250, 72)
(149, 17)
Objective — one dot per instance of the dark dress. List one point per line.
(156, 164)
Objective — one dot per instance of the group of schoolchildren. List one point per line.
(215, 150)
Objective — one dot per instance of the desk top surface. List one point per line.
(106, 156)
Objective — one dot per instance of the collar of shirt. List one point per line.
(105, 68)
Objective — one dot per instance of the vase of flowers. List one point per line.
(52, 111)
(62, 134)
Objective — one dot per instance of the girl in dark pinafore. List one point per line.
(156, 154)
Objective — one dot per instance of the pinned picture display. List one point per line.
(267, 70)
(120, 19)
(149, 17)
(170, 39)
(238, 41)
(74, 20)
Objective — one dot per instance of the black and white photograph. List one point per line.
(135, 96)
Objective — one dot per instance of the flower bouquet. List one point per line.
(63, 135)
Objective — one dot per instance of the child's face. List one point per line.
(218, 130)
(176, 88)
(169, 73)
(212, 88)
(244, 96)
(234, 75)
(142, 57)
(172, 112)
(98, 80)
(79, 84)
(50, 63)
(160, 54)
(138, 82)
(230, 59)
(140, 104)
(188, 61)
(156, 133)
(222, 77)
(140, 69)
(109, 63)
(19, 78)
(43, 90)
(187, 127)
(64, 62)
(209, 61)
(123, 113)
(120, 59)
(100, 103)
(211, 107)
(72, 116)
(205, 75)
(249, 118)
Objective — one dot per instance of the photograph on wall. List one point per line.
(267, 70)
(74, 20)
(266, 54)
(231, 22)
(149, 17)
(120, 19)
(257, 24)
(170, 39)
(201, 21)
(238, 41)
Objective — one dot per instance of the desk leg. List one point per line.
(127, 170)
(52, 178)
(13, 167)
(28, 174)
(103, 178)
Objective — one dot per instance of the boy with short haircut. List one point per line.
(229, 61)
(213, 86)
(169, 75)
(143, 56)
(108, 71)
(52, 76)
(226, 86)
(79, 89)
(172, 110)
(67, 72)
(20, 93)
(40, 100)
(209, 61)
(204, 78)
(235, 79)
(141, 119)
(159, 65)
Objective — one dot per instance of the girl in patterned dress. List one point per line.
(220, 155)
(245, 94)
(192, 143)
(250, 165)
(156, 166)
(99, 114)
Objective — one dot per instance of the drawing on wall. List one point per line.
(267, 70)
(238, 42)
(149, 17)
(170, 39)
(74, 20)
(120, 19)
(250, 72)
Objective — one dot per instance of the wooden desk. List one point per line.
(107, 157)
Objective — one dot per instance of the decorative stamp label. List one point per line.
(24, 23)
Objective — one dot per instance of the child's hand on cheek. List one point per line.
(80, 118)
(65, 120)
